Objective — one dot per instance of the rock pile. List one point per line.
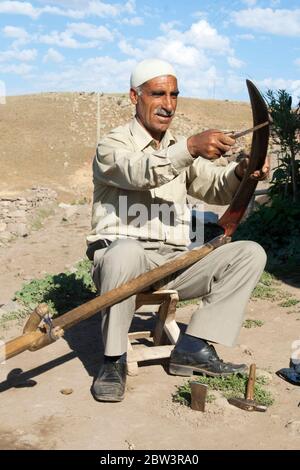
(17, 212)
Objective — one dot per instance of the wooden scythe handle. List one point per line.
(37, 339)
(35, 318)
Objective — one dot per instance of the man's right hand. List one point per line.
(210, 144)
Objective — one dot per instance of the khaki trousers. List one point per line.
(224, 280)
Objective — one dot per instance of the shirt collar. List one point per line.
(144, 139)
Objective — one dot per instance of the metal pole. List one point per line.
(98, 118)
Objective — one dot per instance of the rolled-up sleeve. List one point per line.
(211, 183)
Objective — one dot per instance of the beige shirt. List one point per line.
(141, 192)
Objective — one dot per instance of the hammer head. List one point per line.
(248, 405)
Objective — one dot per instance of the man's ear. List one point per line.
(133, 96)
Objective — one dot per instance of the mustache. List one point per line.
(164, 112)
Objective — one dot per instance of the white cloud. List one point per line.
(291, 86)
(105, 74)
(18, 69)
(19, 8)
(184, 55)
(15, 32)
(25, 55)
(135, 21)
(234, 84)
(53, 56)
(70, 13)
(167, 27)
(65, 39)
(102, 9)
(235, 63)
(200, 83)
(90, 31)
(193, 53)
(281, 22)
(85, 9)
(127, 49)
(246, 37)
(200, 14)
(203, 36)
(185, 49)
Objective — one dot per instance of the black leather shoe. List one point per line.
(205, 361)
(111, 381)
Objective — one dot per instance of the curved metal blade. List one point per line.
(233, 215)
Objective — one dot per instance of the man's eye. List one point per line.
(157, 93)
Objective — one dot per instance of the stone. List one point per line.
(66, 391)
(6, 237)
(19, 229)
(246, 349)
(3, 226)
(17, 214)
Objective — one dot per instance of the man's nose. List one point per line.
(167, 102)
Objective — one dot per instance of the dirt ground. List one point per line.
(41, 417)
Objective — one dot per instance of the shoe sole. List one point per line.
(187, 371)
(108, 398)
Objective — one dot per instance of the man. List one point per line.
(138, 167)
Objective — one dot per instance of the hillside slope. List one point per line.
(49, 139)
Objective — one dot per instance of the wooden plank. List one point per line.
(149, 353)
(198, 395)
(139, 334)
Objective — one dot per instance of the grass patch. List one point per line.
(265, 289)
(40, 216)
(61, 292)
(249, 323)
(231, 386)
(289, 302)
(12, 316)
(80, 202)
(184, 303)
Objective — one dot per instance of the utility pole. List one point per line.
(98, 119)
(214, 89)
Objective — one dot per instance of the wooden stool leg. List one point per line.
(167, 330)
(132, 366)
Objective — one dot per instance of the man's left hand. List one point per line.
(258, 175)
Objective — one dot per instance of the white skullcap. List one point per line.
(148, 69)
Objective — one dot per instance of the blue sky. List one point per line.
(49, 45)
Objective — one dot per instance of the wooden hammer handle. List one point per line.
(251, 382)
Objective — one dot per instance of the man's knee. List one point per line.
(124, 250)
(126, 254)
(254, 252)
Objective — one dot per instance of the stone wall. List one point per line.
(17, 212)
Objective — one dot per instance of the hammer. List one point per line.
(248, 403)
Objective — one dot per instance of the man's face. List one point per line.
(156, 106)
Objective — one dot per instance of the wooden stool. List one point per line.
(165, 333)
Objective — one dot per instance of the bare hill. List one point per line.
(49, 139)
